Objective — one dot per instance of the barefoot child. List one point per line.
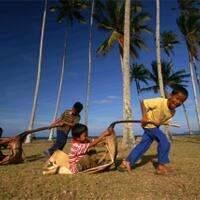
(79, 160)
(156, 112)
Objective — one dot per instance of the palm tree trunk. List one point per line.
(89, 66)
(128, 135)
(32, 119)
(187, 119)
(160, 79)
(60, 84)
(197, 75)
(194, 91)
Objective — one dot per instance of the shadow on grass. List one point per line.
(144, 160)
(34, 158)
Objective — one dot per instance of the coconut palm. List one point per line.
(168, 40)
(188, 7)
(32, 119)
(189, 27)
(109, 16)
(89, 64)
(160, 79)
(69, 10)
(139, 73)
(170, 79)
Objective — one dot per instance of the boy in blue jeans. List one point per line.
(156, 112)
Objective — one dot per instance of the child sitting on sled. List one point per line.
(79, 159)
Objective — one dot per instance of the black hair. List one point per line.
(78, 106)
(78, 129)
(180, 89)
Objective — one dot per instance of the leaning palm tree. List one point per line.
(89, 64)
(189, 27)
(168, 40)
(32, 119)
(188, 8)
(69, 10)
(109, 16)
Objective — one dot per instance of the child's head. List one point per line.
(80, 132)
(177, 97)
(77, 107)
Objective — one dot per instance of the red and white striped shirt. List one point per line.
(77, 151)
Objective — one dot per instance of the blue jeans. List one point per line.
(147, 138)
(60, 142)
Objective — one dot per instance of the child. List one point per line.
(78, 159)
(156, 112)
(67, 120)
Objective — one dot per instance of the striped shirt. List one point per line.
(67, 116)
(77, 151)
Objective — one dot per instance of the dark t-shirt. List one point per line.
(67, 116)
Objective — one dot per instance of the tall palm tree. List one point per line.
(168, 40)
(128, 139)
(160, 79)
(189, 27)
(89, 64)
(109, 16)
(33, 113)
(69, 10)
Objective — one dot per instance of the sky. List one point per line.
(20, 23)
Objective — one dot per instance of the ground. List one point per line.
(25, 181)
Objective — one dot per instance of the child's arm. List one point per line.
(145, 119)
(96, 141)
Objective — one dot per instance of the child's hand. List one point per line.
(144, 120)
(106, 133)
(157, 123)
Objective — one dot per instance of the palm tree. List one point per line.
(160, 79)
(170, 79)
(168, 40)
(128, 139)
(188, 8)
(32, 119)
(110, 18)
(139, 73)
(89, 65)
(189, 27)
(69, 10)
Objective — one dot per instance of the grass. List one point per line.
(25, 181)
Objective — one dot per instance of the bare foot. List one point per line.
(127, 166)
(161, 169)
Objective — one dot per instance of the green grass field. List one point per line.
(25, 181)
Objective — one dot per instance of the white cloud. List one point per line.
(106, 100)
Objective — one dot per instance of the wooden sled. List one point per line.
(14, 145)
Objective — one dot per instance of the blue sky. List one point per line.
(20, 38)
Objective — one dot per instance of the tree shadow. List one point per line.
(34, 158)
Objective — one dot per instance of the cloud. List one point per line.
(106, 100)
